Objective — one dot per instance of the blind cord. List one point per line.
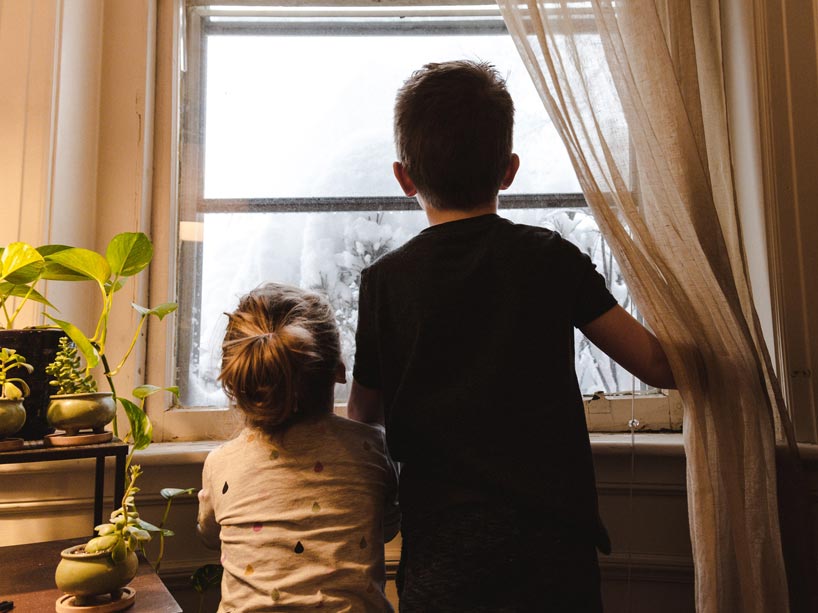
(632, 425)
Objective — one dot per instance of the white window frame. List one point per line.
(612, 413)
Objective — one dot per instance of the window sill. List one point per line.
(647, 444)
(602, 444)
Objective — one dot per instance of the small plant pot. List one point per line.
(75, 412)
(12, 417)
(86, 575)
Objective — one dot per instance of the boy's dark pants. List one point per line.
(474, 558)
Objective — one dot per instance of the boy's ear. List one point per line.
(511, 171)
(341, 373)
(406, 184)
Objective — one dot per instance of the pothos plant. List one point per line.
(21, 268)
(127, 255)
(126, 531)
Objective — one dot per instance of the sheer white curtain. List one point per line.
(636, 90)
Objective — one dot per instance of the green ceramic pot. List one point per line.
(12, 417)
(75, 412)
(92, 574)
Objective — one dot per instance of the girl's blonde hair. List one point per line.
(280, 355)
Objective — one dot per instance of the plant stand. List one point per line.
(35, 451)
(107, 603)
(11, 444)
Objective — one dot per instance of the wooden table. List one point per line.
(27, 579)
(36, 451)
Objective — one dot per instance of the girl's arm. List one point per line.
(206, 525)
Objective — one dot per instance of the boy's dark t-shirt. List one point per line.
(467, 330)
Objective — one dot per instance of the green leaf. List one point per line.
(119, 552)
(88, 264)
(11, 391)
(143, 391)
(139, 533)
(172, 492)
(141, 426)
(57, 272)
(206, 576)
(146, 525)
(112, 288)
(129, 253)
(46, 250)
(149, 527)
(20, 263)
(80, 340)
(104, 529)
(23, 291)
(102, 543)
(160, 311)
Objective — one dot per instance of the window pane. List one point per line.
(326, 252)
(311, 116)
(288, 114)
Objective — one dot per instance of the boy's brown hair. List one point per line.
(280, 356)
(454, 124)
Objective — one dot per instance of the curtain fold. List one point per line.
(636, 90)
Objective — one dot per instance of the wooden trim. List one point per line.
(786, 60)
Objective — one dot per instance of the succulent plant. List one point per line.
(12, 388)
(70, 377)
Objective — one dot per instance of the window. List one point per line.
(286, 163)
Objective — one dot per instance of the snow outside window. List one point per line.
(286, 166)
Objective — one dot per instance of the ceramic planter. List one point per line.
(75, 412)
(39, 347)
(86, 575)
(12, 417)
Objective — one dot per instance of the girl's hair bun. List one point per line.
(280, 354)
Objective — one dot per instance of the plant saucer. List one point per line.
(102, 604)
(69, 440)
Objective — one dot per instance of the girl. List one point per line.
(302, 500)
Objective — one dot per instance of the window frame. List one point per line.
(611, 413)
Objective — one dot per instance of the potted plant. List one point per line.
(96, 572)
(111, 553)
(77, 405)
(127, 254)
(12, 392)
(22, 267)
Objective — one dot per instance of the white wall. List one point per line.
(29, 48)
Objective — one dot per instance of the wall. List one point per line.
(645, 509)
(29, 43)
(786, 65)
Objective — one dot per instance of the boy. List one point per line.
(465, 352)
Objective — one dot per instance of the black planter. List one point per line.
(39, 347)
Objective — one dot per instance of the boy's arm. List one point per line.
(365, 404)
(632, 345)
